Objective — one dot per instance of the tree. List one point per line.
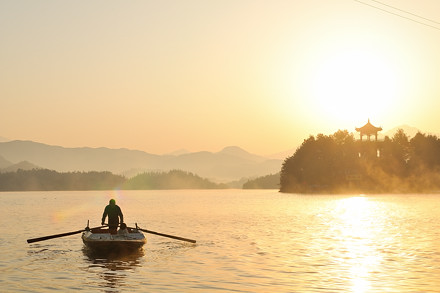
(271, 181)
(319, 164)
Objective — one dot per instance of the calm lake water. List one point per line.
(247, 241)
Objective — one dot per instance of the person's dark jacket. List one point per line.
(114, 213)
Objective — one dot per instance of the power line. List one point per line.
(384, 4)
(400, 15)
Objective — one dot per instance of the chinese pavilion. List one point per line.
(368, 130)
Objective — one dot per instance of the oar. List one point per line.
(166, 235)
(58, 235)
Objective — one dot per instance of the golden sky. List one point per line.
(163, 75)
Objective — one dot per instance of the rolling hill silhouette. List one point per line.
(231, 163)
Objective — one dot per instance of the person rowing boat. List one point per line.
(98, 238)
(114, 214)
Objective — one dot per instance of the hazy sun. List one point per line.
(352, 85)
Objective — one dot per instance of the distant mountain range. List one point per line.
(6, 166)
(231, 163)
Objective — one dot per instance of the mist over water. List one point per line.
(247, 241)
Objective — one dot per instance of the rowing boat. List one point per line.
(104, 239)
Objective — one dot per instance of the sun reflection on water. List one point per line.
(358, 235)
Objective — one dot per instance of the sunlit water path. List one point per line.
(247, 241)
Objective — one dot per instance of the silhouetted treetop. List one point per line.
(44, 179)
(174, 179)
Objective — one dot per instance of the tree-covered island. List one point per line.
(45, 180)
(339, 163)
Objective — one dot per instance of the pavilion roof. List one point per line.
(369, 128)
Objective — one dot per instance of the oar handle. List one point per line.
(166, 235)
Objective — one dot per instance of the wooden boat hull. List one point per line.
(103, 240)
